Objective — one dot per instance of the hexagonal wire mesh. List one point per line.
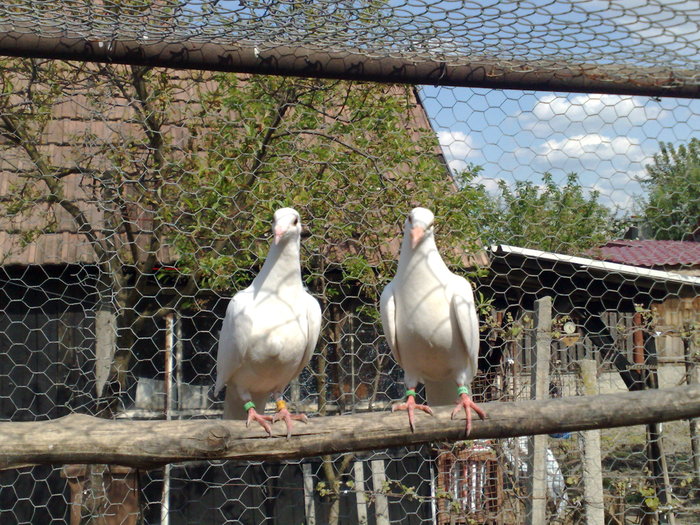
(136, 200)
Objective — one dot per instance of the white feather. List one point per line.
(429, 317)
(271, 328)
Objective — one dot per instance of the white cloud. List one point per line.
(609, 165)
(491, 185)
(671, 28)
(575, 114)
(607, 140)
(457, 147)
(457, 166)
(456, 144)
(592, 147)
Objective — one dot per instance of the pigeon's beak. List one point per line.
(417, 234)
(279, 232)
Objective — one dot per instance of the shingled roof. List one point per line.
(72, 123)
(650, 253)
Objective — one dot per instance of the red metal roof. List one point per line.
(649, 253)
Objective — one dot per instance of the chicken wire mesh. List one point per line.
(137, 200)
(644, 47)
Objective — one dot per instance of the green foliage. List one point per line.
(186, 169)
(550, 217)
(348, 156)
(672, 210)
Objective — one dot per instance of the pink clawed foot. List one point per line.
(465, 403)
(263, 420)
(288, 417)
(409, 406)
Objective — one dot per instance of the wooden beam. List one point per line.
(539, 389)
(381, 501)
(593, 500)
(691, 377)
(148, 444)
(51, 40)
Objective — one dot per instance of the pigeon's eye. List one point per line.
(296, 221)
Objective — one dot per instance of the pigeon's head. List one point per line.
(419, 225)
(285, 224)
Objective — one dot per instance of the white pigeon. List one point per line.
(269, 332)
(430, 323)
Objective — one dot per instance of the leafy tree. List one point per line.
(199, 180)
(121, 170)
(550, 217)
(190, 171)
(350, 158)
(672, 210)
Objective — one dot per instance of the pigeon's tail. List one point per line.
(233, 404)
(441, 393)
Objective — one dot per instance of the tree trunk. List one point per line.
(333, 476)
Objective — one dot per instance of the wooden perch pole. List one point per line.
(149, 444)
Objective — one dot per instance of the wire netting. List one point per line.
(136, 200)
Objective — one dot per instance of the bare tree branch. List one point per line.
(11, 129)
(259, 157)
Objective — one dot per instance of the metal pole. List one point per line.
(178, 360)
(638, 338)
(167, 406)
(353, 386)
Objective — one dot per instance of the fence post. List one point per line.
(309, 507)
(170, 354)
(381, 502)
(539, 389)
(592, 470)
(691, 374)
(360, 496)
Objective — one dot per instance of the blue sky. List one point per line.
(606, 139)
(514, 135)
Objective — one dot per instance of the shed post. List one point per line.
(656, 457)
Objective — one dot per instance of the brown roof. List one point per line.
(650, 253)
(74, 136)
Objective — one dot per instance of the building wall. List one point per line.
(672, 318)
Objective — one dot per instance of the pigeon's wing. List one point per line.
(464, 310)
(387, 309)
(234, 337)
(313, 318)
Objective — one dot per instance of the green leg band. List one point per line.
(410, 393)
(248, 406)
(462, 390)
